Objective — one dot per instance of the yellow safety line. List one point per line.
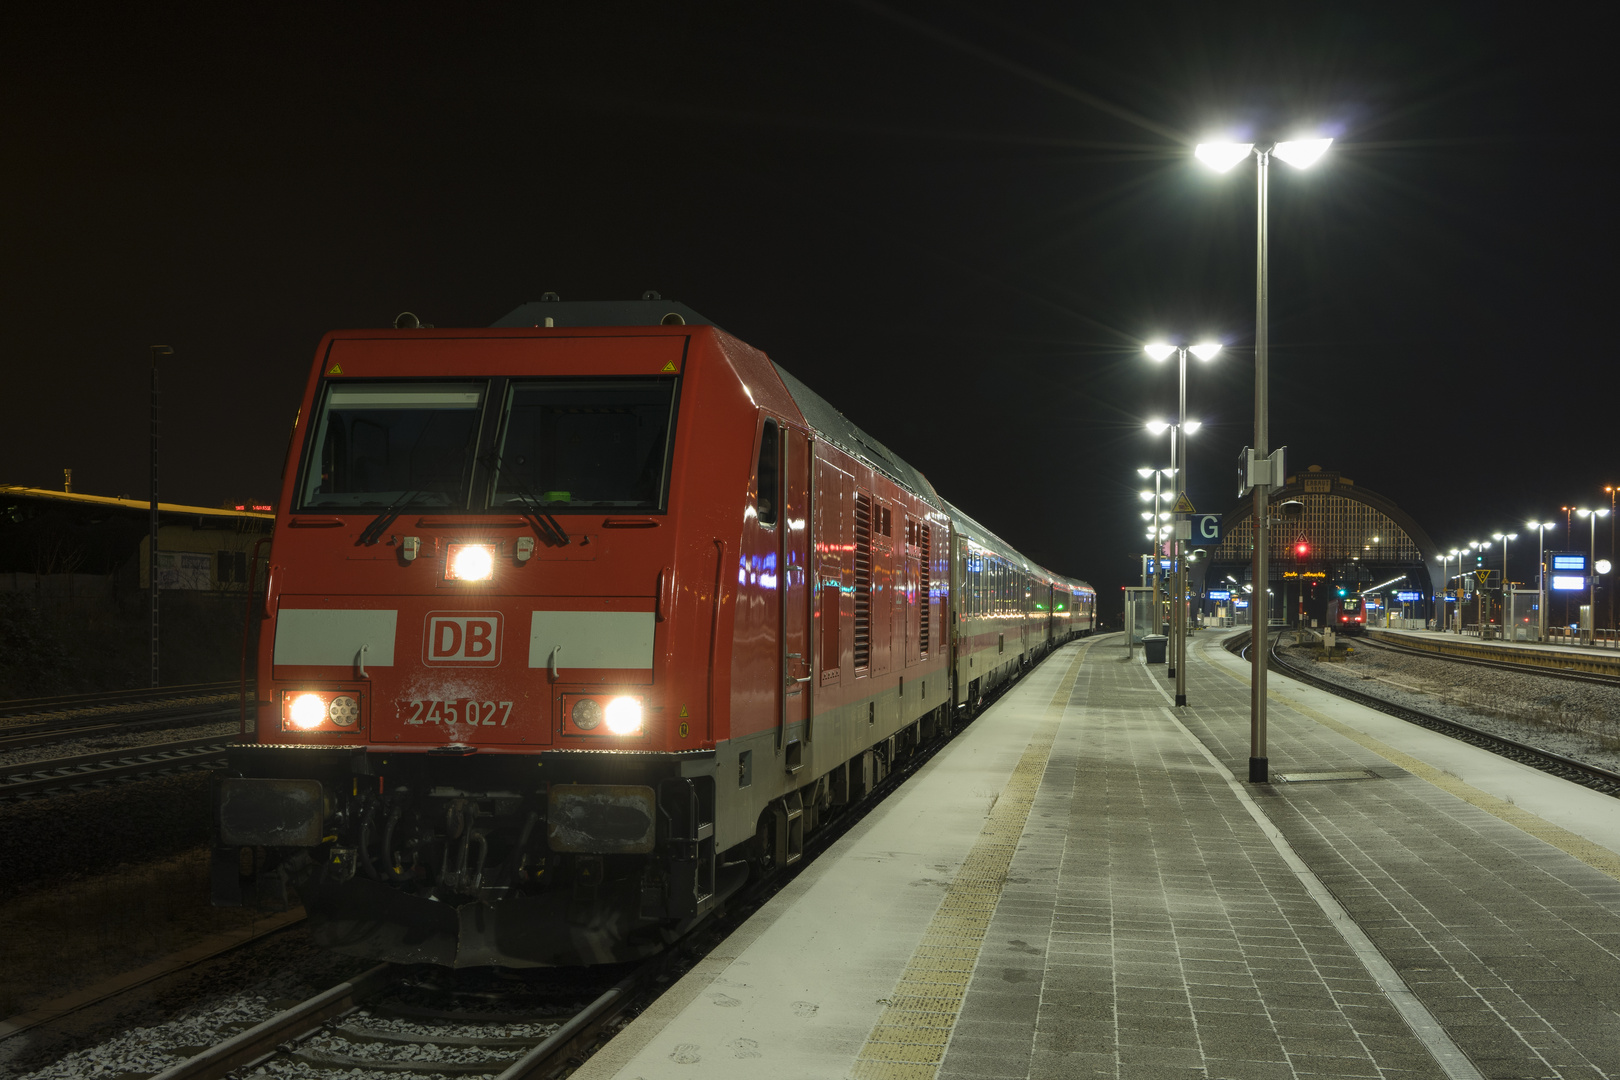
(908, 1042)
(1592, 854)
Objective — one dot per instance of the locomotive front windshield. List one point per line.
(1350, 604)
(586, 443)
(379, 443)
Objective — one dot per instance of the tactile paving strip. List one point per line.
(908, 1042)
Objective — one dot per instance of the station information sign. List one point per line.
(1570, 562)
(1409, 596)
(1567, 582)
(1219, 594)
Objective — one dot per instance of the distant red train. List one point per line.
(1347, 614)
(575, 621)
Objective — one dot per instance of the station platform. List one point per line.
(1608, 658)
(1077, 886)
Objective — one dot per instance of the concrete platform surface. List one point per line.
(1078, 886)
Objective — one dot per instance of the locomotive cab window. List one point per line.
(379, 443)
(570, 443)
(767, 473)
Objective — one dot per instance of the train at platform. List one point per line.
(576, 622)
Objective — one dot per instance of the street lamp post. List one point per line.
(1504, 537)
(1612, 489)
(1445, 586)
(1591, 570)
(1222, 157)
(1541, 528)
(1178, 461)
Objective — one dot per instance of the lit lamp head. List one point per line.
(1158, 351)
(1144, 474)
(1191, 426)
(1158, 427)
(1302, 153)
(1207, 350)
(1222, 156)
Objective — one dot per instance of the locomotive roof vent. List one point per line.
(407, 321)
(650, 310)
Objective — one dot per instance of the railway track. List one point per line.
(1382, 642)
(82, 770)
(112, 698)
(42, 721)
(1567, 768)
(355, 1025)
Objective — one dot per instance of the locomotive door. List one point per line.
(793, 589)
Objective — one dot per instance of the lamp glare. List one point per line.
(1158, 351)
(1207, 350)
(1302, 152)
(1222, 156)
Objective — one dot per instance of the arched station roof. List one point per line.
(1339, 519)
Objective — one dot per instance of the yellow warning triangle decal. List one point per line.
(668, 366)
(1183, 505)
(683, 711)
(335, 369)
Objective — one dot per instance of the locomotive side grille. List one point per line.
(863, 581)
(927, 605)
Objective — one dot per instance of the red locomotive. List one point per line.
(574, 621)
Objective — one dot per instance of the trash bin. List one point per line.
(1154, 646)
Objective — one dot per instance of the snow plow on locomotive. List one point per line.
(576, 621)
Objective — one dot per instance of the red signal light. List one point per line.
(1302, 549)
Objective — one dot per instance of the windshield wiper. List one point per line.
(549, 529)
(379, 524)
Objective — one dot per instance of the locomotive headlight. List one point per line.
(624, 716)
(307, 711)
(469, 562)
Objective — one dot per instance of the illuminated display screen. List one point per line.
(1240, 603)
(1569, 562)
(1568, 583)
(1220, 594)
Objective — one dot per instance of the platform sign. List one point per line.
(1570, 562)
(1219, 594)
(1206, 528)
(1240, 603)
(1408, 596)
(1567, 583)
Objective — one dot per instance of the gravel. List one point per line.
(1576, 719)
(230, 995)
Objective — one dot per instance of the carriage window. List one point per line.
(379, 443)
(587, 443)
(767, 473)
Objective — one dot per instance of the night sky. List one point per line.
(957, 222)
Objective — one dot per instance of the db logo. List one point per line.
(469, 638)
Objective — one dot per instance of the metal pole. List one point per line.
(1158, 610)
(1505, 587)
(1175, 557)
(1180, 465)
(152, 550)
(1591, 580)
(1259, 766)
(1541, 582)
